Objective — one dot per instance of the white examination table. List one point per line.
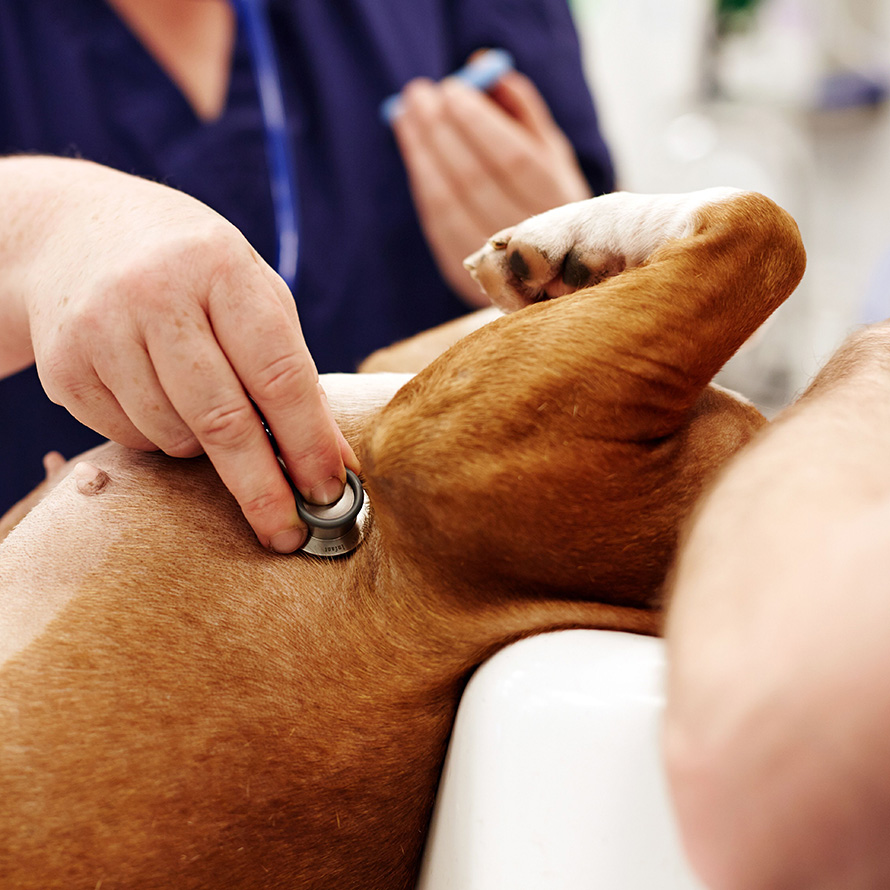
(553, 779)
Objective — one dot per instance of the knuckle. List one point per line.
(132, 277)
(416, 93)
(228, 426)
(206, 250)
(125, 295)
(214, 235)
(268, 501)
(181, 445)
(90, 320)
(220, 246)
(314, 460)
(428, 103)
(63, 386)
(435, 120)
(65, 378)
(285, 379)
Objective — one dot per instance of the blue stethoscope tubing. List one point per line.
(253, 15)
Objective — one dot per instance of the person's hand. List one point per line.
(152, 320)
(478, 163)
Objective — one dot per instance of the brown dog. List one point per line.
(182, 709)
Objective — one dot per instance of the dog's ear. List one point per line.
(559, 448)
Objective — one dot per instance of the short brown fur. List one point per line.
(202, 714)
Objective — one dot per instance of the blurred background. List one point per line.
(787, 97)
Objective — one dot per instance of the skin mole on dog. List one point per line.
(89, 479)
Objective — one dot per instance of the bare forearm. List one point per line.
(776, 727)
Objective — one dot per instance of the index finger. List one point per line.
(259, 331)
(206, 393)
(243, 340)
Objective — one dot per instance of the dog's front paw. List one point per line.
(546, 256)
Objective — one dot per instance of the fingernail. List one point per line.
(288, 541)
(327, 492)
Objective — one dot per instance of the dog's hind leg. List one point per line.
(561, 447)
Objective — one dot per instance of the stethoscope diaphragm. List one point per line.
(335, 529)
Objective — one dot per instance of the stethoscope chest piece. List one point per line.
(336, 529)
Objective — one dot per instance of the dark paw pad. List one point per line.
(518, 265)
(575, 273)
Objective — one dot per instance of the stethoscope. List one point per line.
(335, 529)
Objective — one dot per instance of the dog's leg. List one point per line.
(559, 448)
(197, 712)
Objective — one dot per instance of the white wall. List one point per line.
(648, 62)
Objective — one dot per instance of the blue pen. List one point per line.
(482, 72)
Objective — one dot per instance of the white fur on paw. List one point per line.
(581, 244)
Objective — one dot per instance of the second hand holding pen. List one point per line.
(484, 70)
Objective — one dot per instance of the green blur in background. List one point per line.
(723, 8)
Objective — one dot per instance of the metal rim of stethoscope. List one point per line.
(334, 522)
(303, 511)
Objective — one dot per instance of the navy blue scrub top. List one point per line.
(74, 81)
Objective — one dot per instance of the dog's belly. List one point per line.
(66, 535)
(185, 709)
(45, 560)
(180, 708)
